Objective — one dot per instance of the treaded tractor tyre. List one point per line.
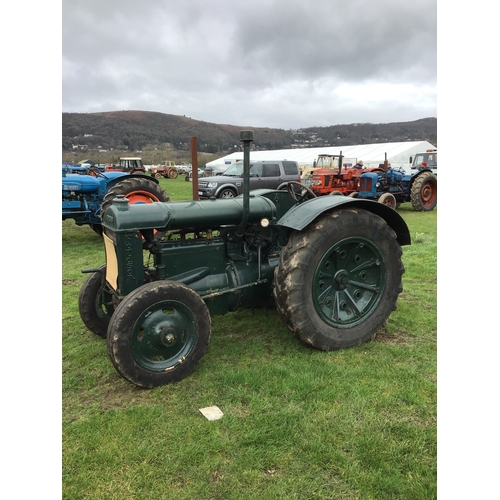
(158, 333)
(388, 199)
(94, 313)
(424, 193)
(338, 280)
(173, 173)
(136, 190)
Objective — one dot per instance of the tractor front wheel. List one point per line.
(136, 190)
(424, 192)
(158, 334)
(338, 281)
(389, 200)
(94, 310)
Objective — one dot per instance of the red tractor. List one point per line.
(129, 165)
(336, 176)
(168, 170)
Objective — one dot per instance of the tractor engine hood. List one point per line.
(123, 217)
(80, 183)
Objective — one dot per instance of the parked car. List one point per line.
(215, 170)
(263, 174)
(184, 169)
(189, 174)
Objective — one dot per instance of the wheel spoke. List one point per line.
(348, 282)
(366, 286)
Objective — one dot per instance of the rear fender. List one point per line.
(300, 216)
(116, 177)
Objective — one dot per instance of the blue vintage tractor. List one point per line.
(86, 195)
(392, 187)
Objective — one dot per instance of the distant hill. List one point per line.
(140, 130)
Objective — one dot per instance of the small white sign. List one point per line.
(212, 412)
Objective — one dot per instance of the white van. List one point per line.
(430, 157)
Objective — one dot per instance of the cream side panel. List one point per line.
(111, 262)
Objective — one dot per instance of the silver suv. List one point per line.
(263, 174)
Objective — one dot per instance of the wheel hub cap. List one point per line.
(163, 335)
(342, 279)
(168, 337)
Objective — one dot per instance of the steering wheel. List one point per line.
(95, 172)
(305, 194)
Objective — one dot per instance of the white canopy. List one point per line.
(398, 154)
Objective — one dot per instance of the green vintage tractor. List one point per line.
(332, 266)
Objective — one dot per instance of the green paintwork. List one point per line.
(349, 282)
(163, 335)
(122, 216)
(227, 251)
(302, 215)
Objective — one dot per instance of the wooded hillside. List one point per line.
(89, 133)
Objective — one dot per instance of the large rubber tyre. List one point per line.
(95, 314)
(158, 175)
(173, 173)
(158, 334)
(424, 193)
(136, 190)
(388, 199)
(338, 280)
(227, 193)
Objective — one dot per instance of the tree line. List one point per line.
(137, 130)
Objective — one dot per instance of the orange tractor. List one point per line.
(335, 175)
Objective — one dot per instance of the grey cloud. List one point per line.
(280, 63)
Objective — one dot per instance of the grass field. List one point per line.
(298, 423)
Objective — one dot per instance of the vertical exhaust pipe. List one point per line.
(246, 136)
(386, 164)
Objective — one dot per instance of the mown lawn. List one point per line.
(298, 423)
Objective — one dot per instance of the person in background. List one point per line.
(359, 165)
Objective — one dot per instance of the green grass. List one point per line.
(298, 423)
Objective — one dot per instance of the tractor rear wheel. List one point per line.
(158, 334)
(95, 313)
(136, 190)
(338, 281)
(173, 173)
(424, 192)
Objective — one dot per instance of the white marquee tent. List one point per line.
(398, 154)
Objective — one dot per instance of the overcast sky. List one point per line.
(263, 63)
